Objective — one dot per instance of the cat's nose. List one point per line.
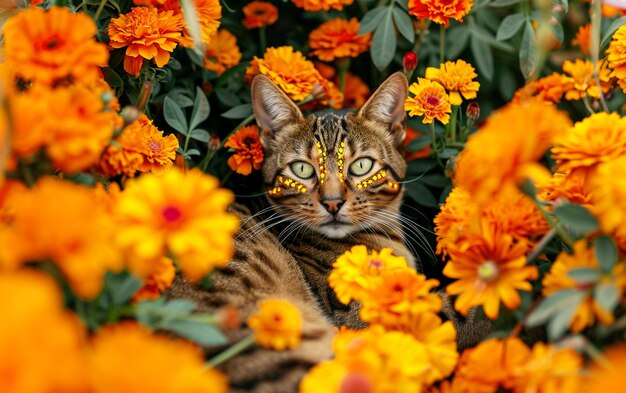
(332, 205)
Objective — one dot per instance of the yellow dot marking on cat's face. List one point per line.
(378, 176)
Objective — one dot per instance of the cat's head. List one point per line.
(334, 173)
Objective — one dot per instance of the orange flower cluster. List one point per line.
(430, 100)
(583, 39)
(440, 11)
(616, 57)
(222, 52)
(52, 48)
(549, 88)
(321, 5)
(248, 150)
(338, 38)
(457, 77)
(583, 82)
(295, 75)
(607, 196)
(158, 281)
(355, 91)
(259, 14)
(140, 148)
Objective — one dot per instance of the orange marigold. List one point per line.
(248, 150)
(156, 43)
(608, 376)
(440, 11)
(355, 92)
(259, 14)
(494, 160)
(490, 268)
(583, 39)
(570, 187)
(550, 369)
(608, 194)
(30, 358)
(222, 52)
(179, 365)
(549, 88)
(158, 281)
(338, 38)
(277, 324)
(457, 77)
(321, 5)
(54, 47)
(616, 56)
(430, 100)
(584, 84)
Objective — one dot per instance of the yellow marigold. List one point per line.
(584, 84)
(277, 325)
(259, 14)
(222, 52)
(550, 369)
(440, 11)
(430, 100)
(180, 213)
(292, 73)
(248, 150)
(357, 271)
(505, 151)
(54, 47)
(616, 56)
(338, 38)
(29, 359)
(156, 43)
(570, 187)
(456, 77)
(161, 278)
(399, 295)
(179, 365)
(549, 88)
(598, 138)
(608, 195)
(489, 268)
(583, 39)
(321, 5)
(609, 375)
(558, 279)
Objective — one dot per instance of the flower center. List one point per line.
(488, 271)
(376, 263)
(52, 42)
(356, 382)
(171, 213)
(248, 141)
(154, 146)
(432, 100)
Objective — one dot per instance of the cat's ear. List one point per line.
(272, 108)
(386, 105)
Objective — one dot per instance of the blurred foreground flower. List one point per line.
(277, 324)
(321, 5)
(259, 14)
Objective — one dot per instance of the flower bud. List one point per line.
(409, 62)
(129, 114)
(214, 142)
(473, 111)
(144, 95)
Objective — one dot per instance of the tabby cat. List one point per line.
(333, 181)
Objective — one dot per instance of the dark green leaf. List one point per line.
(227, 98)
(576, 218)
(435, 180)
(384, 42)
(606, 253)
(584, 275)
(607, 295)
(371, 20)
(193, 152)
(562, 319)
(112, 78)
(201, 109)
(557, 29)
(509, 26)
(610, 31)
(239, 112)
(200, 135)
(483, 56)
(456, 41)
(504, 3)
(448, 153)
(564, 4)
(122, 287)
(528, 52)
(418, 143)
(404, 24)
(195, 57)
(174, 116)
(550, 305)
(420, 194)
(180, 99)
(198, 332)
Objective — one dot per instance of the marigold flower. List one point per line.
(570, 187)
(222, 52)
(321, 5)
(180, 213)
(490, 267)
(156, 43)
(607, 376)
(355, 92)
(259, 14)
(430, 100)
(584, 84)
(179, 365)
(583, 39)
(616, 56)
(248, 150)
(277, 324)
(358, 271)
(456, 77)
(494, 160)
(32, 301)
(161, 278)
(598, 138)
(549, 88)
(608, 194)
(54, 47)
(440, 11)
(558, 279)
(338, 38)
(549, 369)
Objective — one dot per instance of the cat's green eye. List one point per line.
(361, 167)
(302, 169)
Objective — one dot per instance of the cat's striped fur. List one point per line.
(286, 250)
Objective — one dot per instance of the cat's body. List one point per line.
(333, 182)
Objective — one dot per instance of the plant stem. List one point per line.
(442, 43)
(452, 124)
(588, 105)
(231, 352)
(541, 245)
(99, 10)
(262, 40)
(554, 224)
(596, 20)
(342, 68)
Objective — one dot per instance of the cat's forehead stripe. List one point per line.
(330, 130)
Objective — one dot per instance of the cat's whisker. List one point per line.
(416, 210)
(410, 228)
(412, 180)
(261, 226)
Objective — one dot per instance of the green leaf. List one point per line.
(422, 195)
(448, 153)
(557, 29)
(435, 180)
(418, 143)
(193, 152)
(584, 275)
(562, 319)
(180, 98)
(576, 218)
(384, 42)
(198, 332)
(239, 112)
(564, 4)
(174, 116)
(454, 47)
(122, 287)
(227, 98)
(201, 109)
(610, 31)
(404, 24)
(112, 78)
(371, 20)
(504, 3)
(607, 295)
(509, 26)
(200, 135)
(528, 52)
(606, 253)
(483, 56)
(551, 305)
